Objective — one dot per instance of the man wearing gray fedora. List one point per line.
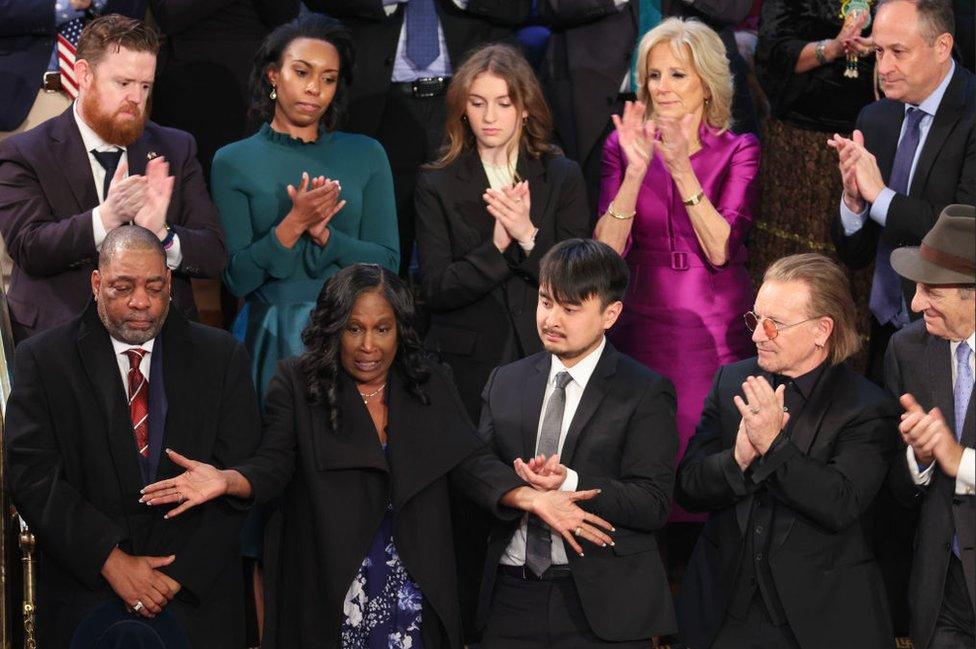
(929, 364)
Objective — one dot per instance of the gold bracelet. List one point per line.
(694, 200)
(620, 217)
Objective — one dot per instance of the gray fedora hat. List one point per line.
(948, 252)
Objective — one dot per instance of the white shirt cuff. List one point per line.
(920, 478)
(174, 254)
(98, 228)
(851, 221)
(966, 476)
(619, 3)
(570, 482)
(461, 4)
(879, 209)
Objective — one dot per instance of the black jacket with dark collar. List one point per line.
(482, 301)
(335, 487)
(74, 471)
(920, 363)
(822, 479)
(623, 441)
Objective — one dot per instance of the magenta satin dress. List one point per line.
(682, 316)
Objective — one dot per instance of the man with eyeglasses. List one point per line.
(790, 451)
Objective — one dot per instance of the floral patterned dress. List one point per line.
(382, 609)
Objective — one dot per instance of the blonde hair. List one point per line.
(830, 296)
(507, 63)
(707, 57)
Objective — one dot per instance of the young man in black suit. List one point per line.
(930, 366)
(591, 418)
(95, 401)
(791, 449)
(911, 154)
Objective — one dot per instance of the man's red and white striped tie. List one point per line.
(138, 400)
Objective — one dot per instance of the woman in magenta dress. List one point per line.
(677, 199)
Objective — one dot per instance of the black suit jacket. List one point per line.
(47, 194)
(376, 35)
(623, 441)
(27, 35)
(945, 172)
(75, 476)
(822, 479)
(920, 363)
(335, 487)
(482, 302)
(589, 51)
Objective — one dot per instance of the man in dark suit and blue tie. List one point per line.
(71, 180)
(602, 421)
(94, 403)
(930, 365)
(911, 154)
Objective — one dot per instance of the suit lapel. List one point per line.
(534, 172)
(70, 155)
(532, 396)
(939, 370)
(885, 145)
(596, 390)
(805, 430)
(137, 155)
(472, 181)
(98, 359)
(943, 122)
(158, 408)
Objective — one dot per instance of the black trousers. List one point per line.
(411, 132)
(529, 614)
(955, 627)
(754, 631)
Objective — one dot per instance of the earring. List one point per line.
(274, 93)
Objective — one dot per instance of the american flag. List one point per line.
(67, 42)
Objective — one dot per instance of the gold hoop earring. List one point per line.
(274, 93)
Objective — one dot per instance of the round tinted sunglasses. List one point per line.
(770, 327)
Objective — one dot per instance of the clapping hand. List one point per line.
(540, 473)
(636, 137)
(511, 208)
(929, 436)
(319, 232)
(745, 453)
(159, 190)
(672, 142)
(762, 412)
(198, 484)
(859, 170)
(125, 197)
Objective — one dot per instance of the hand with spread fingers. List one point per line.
(541, 473)
(929, 436)
(560, 511)
(139, 583)
(197, 485)
(636, 136)
(762, 412)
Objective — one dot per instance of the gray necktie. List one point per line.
(538, 543)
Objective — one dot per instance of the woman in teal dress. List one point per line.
(299, 200)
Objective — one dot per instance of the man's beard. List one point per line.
(109, 127)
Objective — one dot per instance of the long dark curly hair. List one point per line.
(320, 363)
(315, 26)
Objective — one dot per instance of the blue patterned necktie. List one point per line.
(538, 542)
(423, 46)
(886, 299)
(963, 389)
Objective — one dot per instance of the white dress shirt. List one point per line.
(966, 476)
(123, 360)
(92, 142)
(580, 374)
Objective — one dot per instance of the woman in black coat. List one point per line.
(487, 211)
(364, 440)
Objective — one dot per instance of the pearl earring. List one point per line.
(274, 93)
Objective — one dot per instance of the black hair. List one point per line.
(935, 17)
(320, 362)
(128, 237)
(576, 269)
(315, 26)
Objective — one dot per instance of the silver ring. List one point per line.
(578, 531)
(137, 607)
(754, 410)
